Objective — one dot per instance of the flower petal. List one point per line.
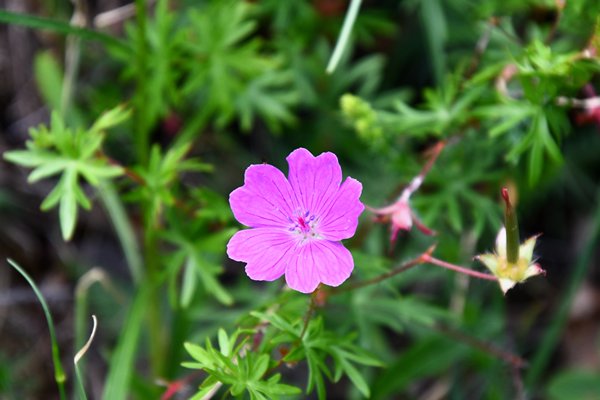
(490, 261)
(501, 243)
(340, 220)
(506, 284)
(533, 270)
(314, 180)
(266, 199)
(265, 250)
(318, 261)
(526, 249)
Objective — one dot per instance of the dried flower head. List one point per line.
(513, 262)
(297, 223)
(511, 273)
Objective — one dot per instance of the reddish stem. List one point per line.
(427, 258)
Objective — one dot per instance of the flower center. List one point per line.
(304, 224)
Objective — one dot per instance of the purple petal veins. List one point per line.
(296, 223)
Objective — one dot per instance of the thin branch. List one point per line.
(513, 359)
(426, 258)
(393, 272)
(588, 104)
(309, 313)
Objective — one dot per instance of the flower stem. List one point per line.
(512, 229)
(393, 272)
(309, 313)
(486, 347)
(427, 258)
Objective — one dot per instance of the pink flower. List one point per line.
(402, 218)
(400, 213)
(297, 223)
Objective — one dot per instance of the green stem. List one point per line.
(344, 35)
(512, 229)
(154, 318)
(72, 57)
(116, 211)
(141, 130)
(559, 319)
(122, 362)
(59, 373)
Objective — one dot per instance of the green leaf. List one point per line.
(260, 367)
(27, 158)
(536, 160)
(63, 27)
(47, 169)
(53, 197)
(574, 385)
(188, 283)
(224, 345)
(59, 374)
(356, 377)
(122, 366)
(68, 205)
(49, 78)
(110, 118)
(198, 353)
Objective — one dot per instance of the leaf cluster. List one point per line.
(237, 367)
(76, 156)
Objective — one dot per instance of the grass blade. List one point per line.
(80, 354)
(35, 22)
(122, 360)
(59, 373)
(344, 35)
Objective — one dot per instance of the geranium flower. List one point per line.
(296, 223)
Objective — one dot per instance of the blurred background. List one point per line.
(269, 94)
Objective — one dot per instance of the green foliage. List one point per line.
(198, 253)
(316, 345)
(72, 154)
(237, 367)
(213, 86)
(575, 385)
(230, 73)
(159, 177)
